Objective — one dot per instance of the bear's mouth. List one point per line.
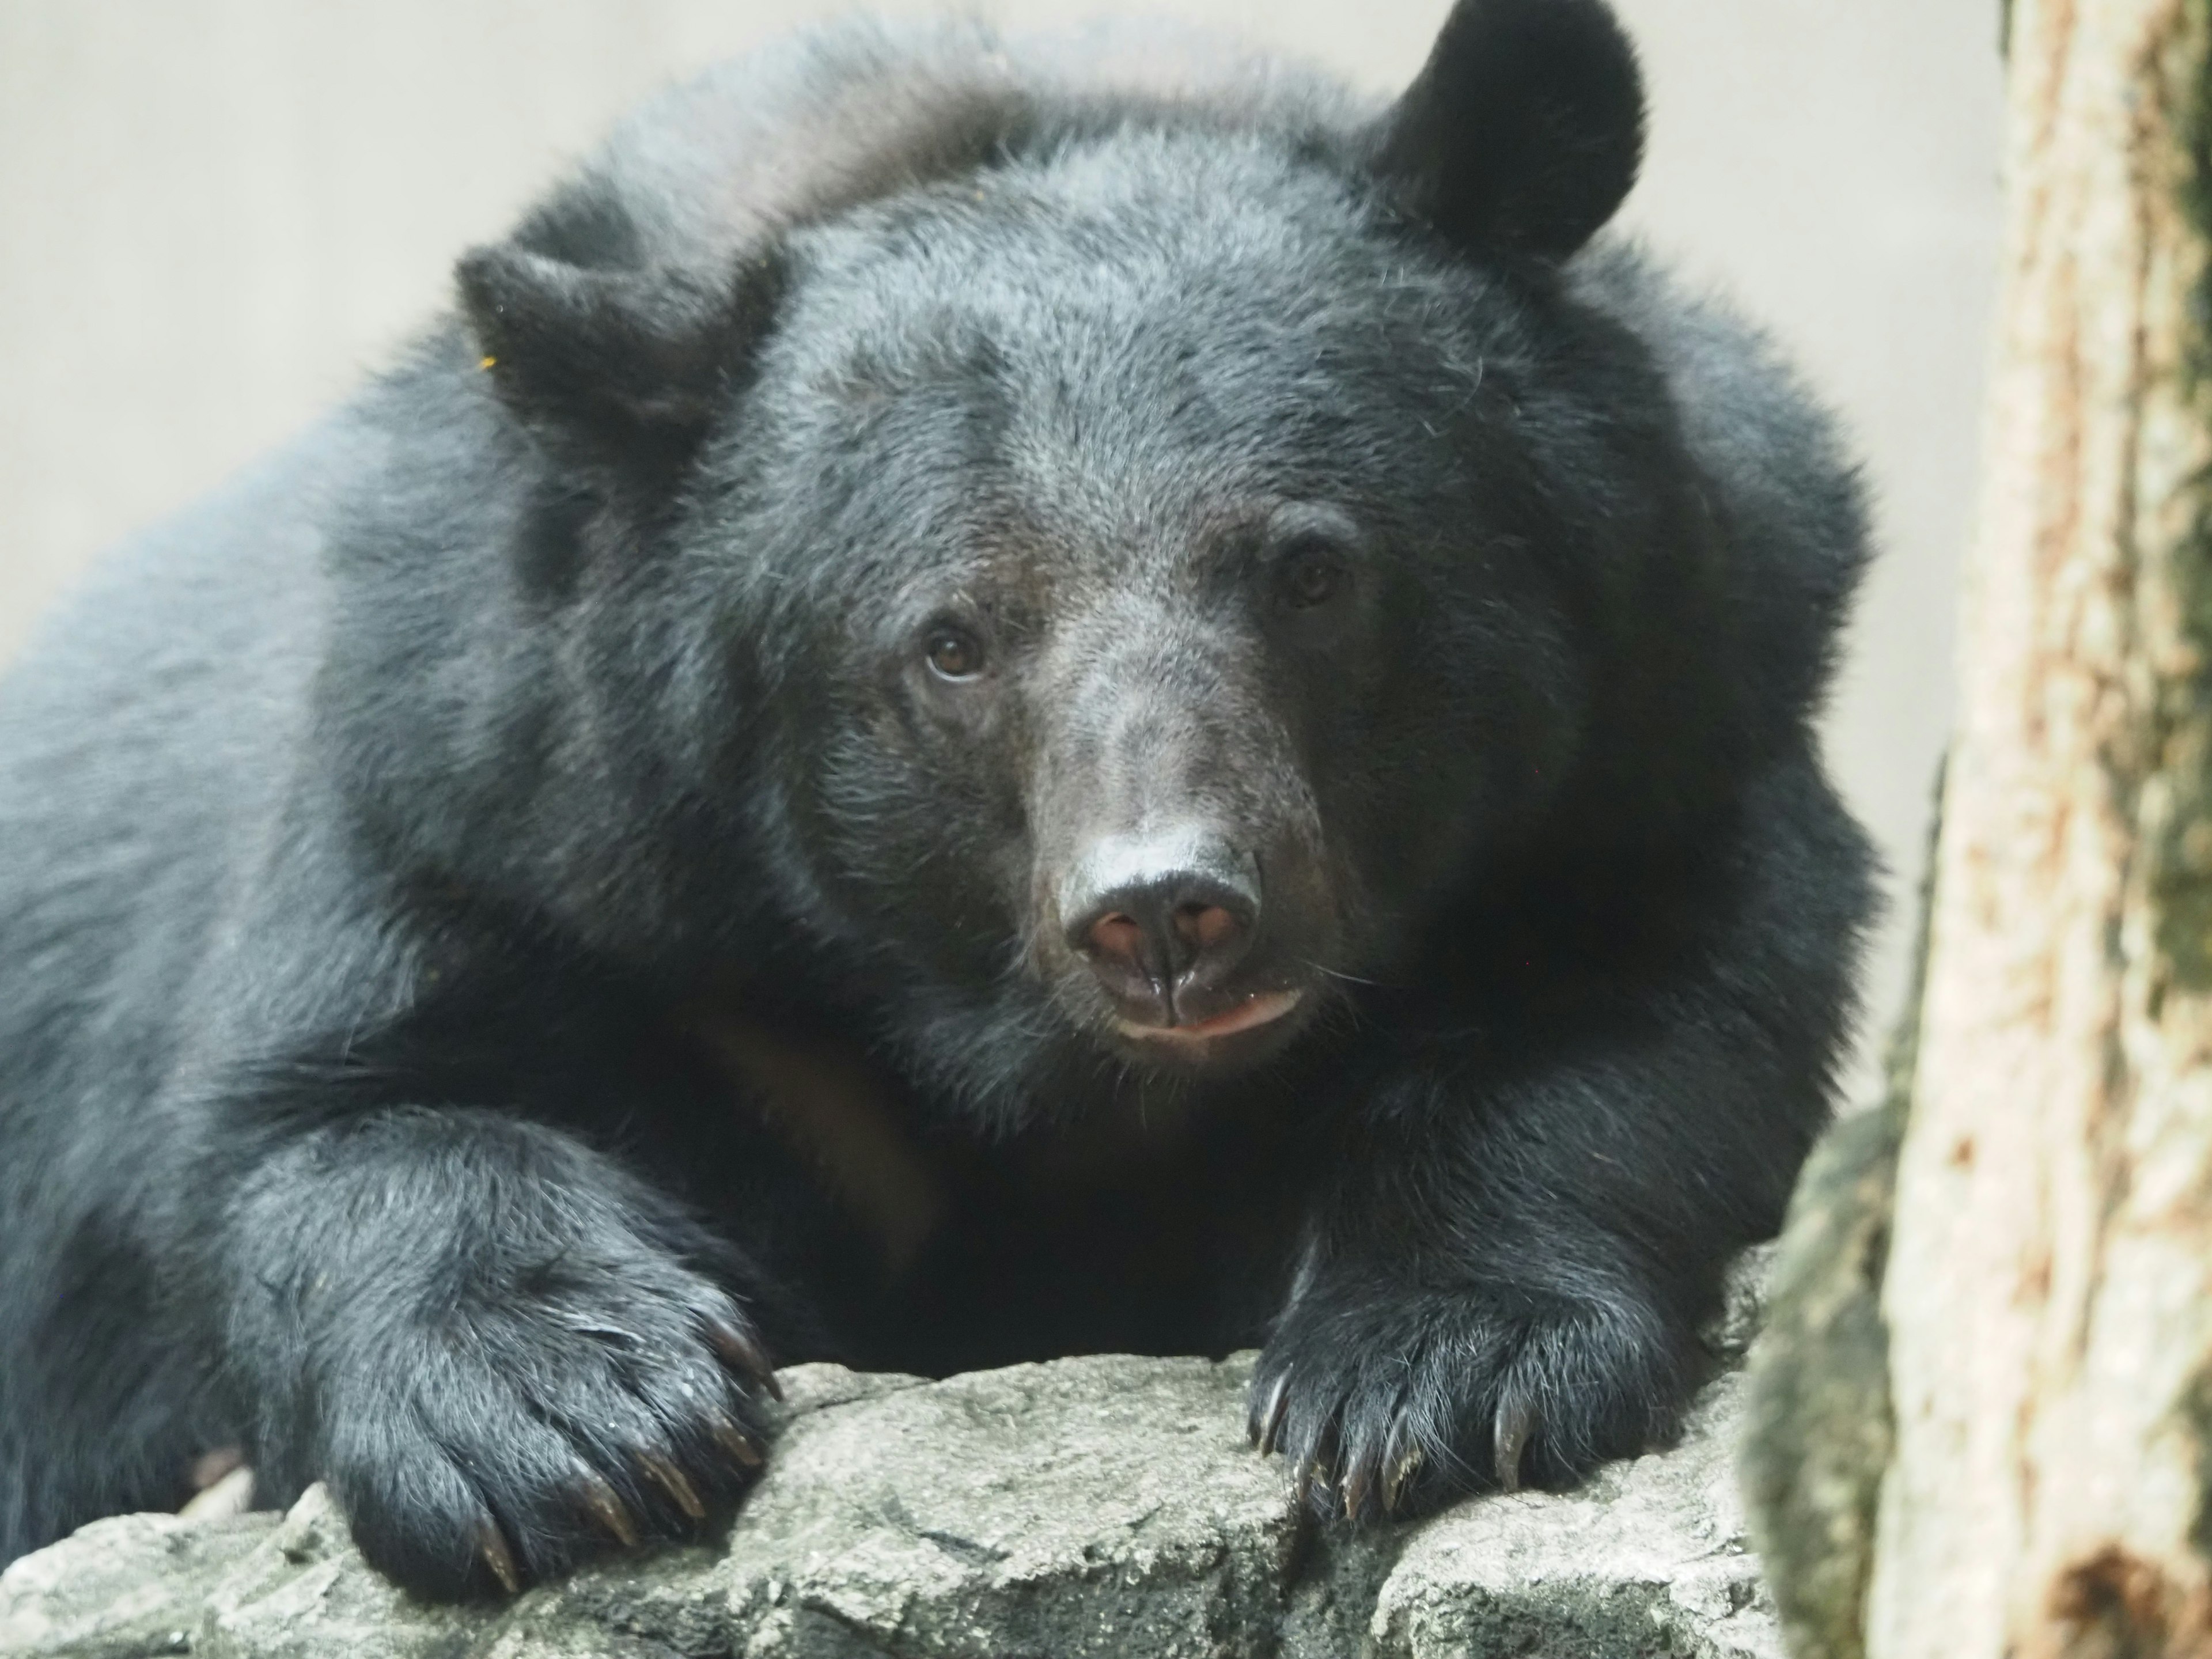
(1197, 1039)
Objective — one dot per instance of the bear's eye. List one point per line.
(953, 655)
(1311, 576)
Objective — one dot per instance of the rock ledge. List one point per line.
(1096, 1506)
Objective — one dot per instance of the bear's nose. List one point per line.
(1162, 917)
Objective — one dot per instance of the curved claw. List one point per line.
(1271, 1420)
(1316, 1472)
(1394, 1486)
(670, 1479)
(743, 1355)
(1515, 1422)
(608, 1510)
(736, 1442)
(491, 1546)
(1356, 1479)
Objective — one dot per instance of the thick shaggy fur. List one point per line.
(572, 876)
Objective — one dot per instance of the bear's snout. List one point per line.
(1166, 920)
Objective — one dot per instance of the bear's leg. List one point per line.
(1415, 1361)
(1506, 1266)
(503, 1351)
(100, 1413)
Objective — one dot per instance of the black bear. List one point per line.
(991, 698)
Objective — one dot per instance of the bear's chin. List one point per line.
(1260, 1026)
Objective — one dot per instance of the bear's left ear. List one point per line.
(621, 372)
(1524, 129)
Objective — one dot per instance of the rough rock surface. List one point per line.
(1105, 1505)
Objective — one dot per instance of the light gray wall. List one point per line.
(215, 214)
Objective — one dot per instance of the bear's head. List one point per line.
(1159, 558)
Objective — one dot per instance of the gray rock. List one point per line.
(129, 1585)
(1104, 1505)
(1646, 1558)
(1095, 1506)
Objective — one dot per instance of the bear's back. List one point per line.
(801, 131)
(148, 733)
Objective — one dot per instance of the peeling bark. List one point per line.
(2049, 1291)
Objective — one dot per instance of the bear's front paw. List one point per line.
(1389, 1406)
(512, 1437)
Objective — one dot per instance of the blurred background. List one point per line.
(219, 214)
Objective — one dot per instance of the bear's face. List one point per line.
(1155, 607)
(1161, 553)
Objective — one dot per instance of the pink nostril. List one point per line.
(1204, 926)
(1116, 935)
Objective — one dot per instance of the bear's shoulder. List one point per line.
(1772, 454)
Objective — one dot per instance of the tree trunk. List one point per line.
(2048, 1285)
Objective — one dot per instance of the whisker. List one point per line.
(1350, 979)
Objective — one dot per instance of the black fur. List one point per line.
(903, 475)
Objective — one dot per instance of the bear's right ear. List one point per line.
(1523, 130)
(621, 371)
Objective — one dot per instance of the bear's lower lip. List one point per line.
(1261, 1010)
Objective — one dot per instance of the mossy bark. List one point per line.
(1818, 1432)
